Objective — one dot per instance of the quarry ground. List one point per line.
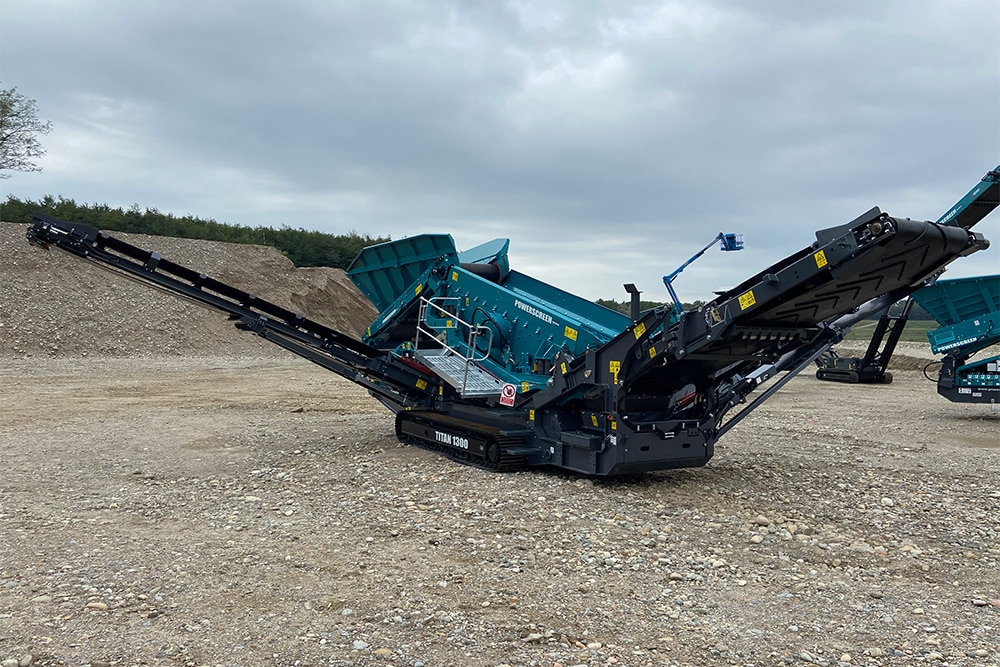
(247, 511)
(173, 492)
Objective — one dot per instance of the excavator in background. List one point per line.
(497, 369)
(872, 368)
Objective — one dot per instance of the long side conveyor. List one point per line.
(679, 382)
(982, 199)
(335, 351)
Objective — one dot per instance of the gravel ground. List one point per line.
(178, 507)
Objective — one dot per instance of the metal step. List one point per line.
(468, 378)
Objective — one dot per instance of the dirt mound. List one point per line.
(907, 357)
(52, 304)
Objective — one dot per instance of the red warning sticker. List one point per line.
(507, 394)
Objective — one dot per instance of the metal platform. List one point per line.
(468, 378)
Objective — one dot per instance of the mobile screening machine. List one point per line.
(501, 370)
(968, 310)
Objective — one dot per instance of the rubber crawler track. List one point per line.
(496, 460)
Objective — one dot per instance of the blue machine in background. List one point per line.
(968, 310)
(727, 243)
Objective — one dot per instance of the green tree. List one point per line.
(19, 131)
(625, 307)
(303, 247)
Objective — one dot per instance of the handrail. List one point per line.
(452, 322)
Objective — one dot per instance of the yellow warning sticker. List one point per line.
(419, 288)
(421, 384)
(614, 367)
(614, 425)
(525, 387)
(531, 415)
(820, 258)
(593, 420)
(454, 276)
(562, 368)
(639, 330)
(747, 300)
(652, 352)
(570, 333)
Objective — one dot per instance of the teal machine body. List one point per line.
(968, 310)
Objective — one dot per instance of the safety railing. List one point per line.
(437, 321)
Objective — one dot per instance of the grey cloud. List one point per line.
(660, 123)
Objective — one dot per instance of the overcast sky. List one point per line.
(608, 140)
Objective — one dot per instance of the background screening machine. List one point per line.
(968, 310)
(502, 370)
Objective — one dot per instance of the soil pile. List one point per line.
(56, 305)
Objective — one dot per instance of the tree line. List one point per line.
(304, 247)
(916, 313)
(625, 307)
